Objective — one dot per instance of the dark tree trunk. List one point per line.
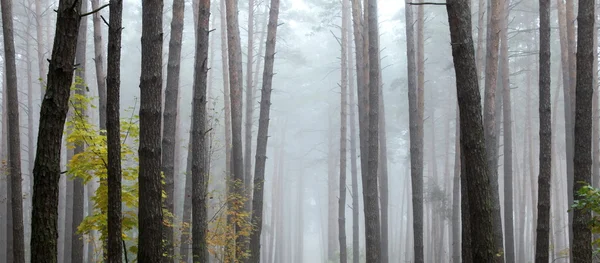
(509, 247)
(114, 244)
(545, 172)
(150, 196)
(79, 112)
(472, 137)
(370, 191)
(416, 155)
(582, 235)
(263, 132)
(489, 107)
(52, 120)
(343, 140)
(170, 122)
(14, 141)
(199, 139)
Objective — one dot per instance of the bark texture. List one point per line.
(14, 141)
(99, 63)
(114, 245)
(171, 109)
(582, 234)
(53, 114)
(200, 170)
(249, 106)
(150, 215)
(545, 173)
(343, 140)
(472, 137)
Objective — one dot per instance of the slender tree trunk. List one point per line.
(30, 146)
(79, 112)
(40, 47)
(545, 169)
(4, 182)
(199, 168)
(170, 122)
(300, 223)
(479, 59)
(262, 135)
(416, 155)
(491, 74)
(52, 119)
(476, 170)
(353, 164)
(383, 173)
(596, 118)
(14, 141)
(113, 86)
(150, 192)
(456, 245)
(509, 247)
(226, 92)
(343, 140)
(582, 247)
(249, 107)
(332, 235)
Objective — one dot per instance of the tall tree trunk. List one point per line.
(40, 47)
(299, 253)
(52, 119)
(113, 127)
(199, 142)
(79, 112)
(4, 184)
(226, 91)
(353, 164)
(184, 245)
(150, 192)
(545, 169)
(170, 122)
(332, 237)
(582, 247)
(596, 118)
(262, 135)
(14, 141)
(416, 155)
(249, 107)
(456, 245)
(509, 247)
(30, 146)
(489, 106)
(370, 190)
(343, 140)
(479, 59)
(472, 137)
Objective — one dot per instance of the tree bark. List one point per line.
(416, 155)
(14, 141)
(263, 132)
(545, 169)
(40, 47)
(249, 107)
(30, 146)
(170, 122)
(150, 192)
(383, 176)
(353, 164)
(52, 120)
(343, 140)
(472, 137)
(99, 63)
(489, 106)
(199, 164)
(113, 131)
(582, 235)
(481, 11)
(509, 247)
(456, 245)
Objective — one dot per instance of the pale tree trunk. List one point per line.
(582, 234)
(509, 247)
(472, 136)
(14, 141)
(299, 253)
(596, 118)
(30, 145)
(545, 157)
(353, 164)
(80, 113)
(489, 107)
(249, 107)
(456, 245)
(40, 47)
(150, 188)
(343, 140)
(332, 230)
(262, 135)
(479, 59)
(171, 108)
(383, 176)
(114, 243)
(52, 118)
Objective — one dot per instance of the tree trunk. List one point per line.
(199, 168)
(456, 245)
(14, 141)
(343, 140)
(480, 33)
(299, 253)
(596, 119)
(52, 119)
(113, 85)
(353, 164)
(150, 192)
(545, 169)
(416, 155)
(262, 135)
(79, 112)
(332, 235)
(170, 122)
(383, 176)
(30, 146)
(4, 183)
(40, 47)
(249, 107)
(472, 137)
(509, 247)
(582, 247)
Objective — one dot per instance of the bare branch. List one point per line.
(94, 11)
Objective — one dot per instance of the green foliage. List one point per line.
(91, 165)
(589, 200)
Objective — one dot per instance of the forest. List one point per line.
(300, 131)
